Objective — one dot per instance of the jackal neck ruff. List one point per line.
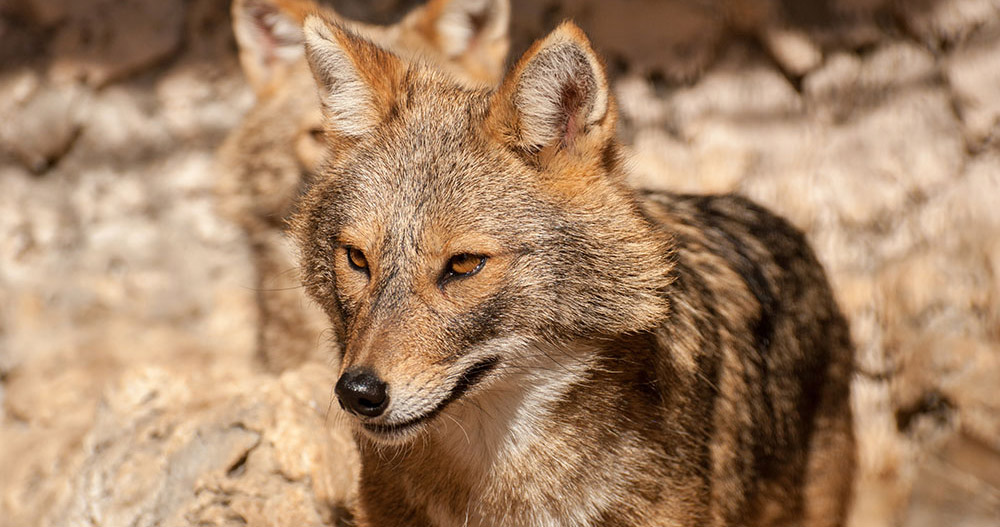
(610, 359)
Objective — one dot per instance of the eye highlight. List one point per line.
(464, 265)
(357, 259)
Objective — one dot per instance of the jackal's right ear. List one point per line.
(556, 96)
(357, 80)
(269, 36)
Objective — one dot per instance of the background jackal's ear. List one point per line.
(556, 96)
(357, 80)
(471, 34)
(269, 36)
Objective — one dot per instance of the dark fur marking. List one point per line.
(469, 379)
(483, 324)
(610, 157)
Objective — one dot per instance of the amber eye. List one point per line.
(357, 259)
(465, 264)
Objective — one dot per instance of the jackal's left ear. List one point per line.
(556, 95)
(357, 80)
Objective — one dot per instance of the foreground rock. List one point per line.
(174, 450)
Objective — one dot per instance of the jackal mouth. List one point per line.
(470, 378)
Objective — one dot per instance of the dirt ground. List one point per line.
(129, 393)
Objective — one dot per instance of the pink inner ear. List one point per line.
(570, 101)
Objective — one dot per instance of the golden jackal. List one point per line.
(267, 159)
(529, 341)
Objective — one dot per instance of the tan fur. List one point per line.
(266, 161)
(619, 358)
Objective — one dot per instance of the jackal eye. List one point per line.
(357, 259)
(462, 265)
(316, 134)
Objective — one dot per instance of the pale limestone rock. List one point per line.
(970, 202)
(907, 145)
(198, 103)
(39, 122)
(831, 90)
(736, 91)
(898, 65)
(37, 463)
(659, 161)
(974, 75)
(955, 486)
(793, 50)
(248, 449)
(122, 129)
(847, 83)
(155, 273)
(879, 493)
(16, 88)
(939, 23)
(639, 103)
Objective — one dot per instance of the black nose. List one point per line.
(362, 392)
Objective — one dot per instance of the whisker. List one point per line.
(457, 422)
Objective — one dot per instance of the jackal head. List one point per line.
(280, 138)
(454, 231)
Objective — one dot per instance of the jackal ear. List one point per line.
(357, 80)
(475, 29)
(557, 94)
(269, 37)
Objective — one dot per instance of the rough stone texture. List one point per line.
(169, 448)
(256, 448)
(974, 74)
(39, 124)
(794, 51)
(945, 23)
(128, 390)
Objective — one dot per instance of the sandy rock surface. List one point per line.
(129, 393)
